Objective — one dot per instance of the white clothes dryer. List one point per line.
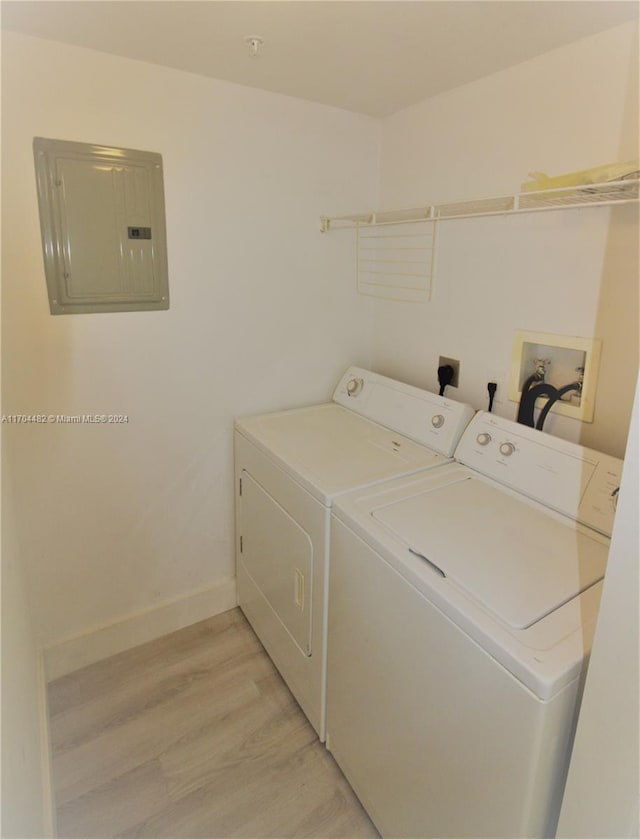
(289, 467)
(462, 607)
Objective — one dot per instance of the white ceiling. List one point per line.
(370, 56)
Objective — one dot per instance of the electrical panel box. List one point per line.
(103, 227)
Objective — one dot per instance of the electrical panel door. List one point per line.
(103, 227)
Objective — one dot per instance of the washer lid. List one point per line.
(512, 558)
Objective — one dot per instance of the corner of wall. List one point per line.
(146, 625)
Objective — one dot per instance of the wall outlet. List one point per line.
(456, 368)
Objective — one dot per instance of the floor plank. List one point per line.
(193, 735)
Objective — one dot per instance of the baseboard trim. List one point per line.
(107, 640)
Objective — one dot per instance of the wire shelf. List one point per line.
(480, 207)
(589, 195)
(624, 191)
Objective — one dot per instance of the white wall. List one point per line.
(603, 787)
(115, 520)
(569, 273)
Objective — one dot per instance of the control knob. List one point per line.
(354, 386)
(483, 438)
(437, 420)
(507, 449)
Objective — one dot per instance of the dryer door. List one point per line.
(278, 556)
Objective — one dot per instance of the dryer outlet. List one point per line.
(442, 360)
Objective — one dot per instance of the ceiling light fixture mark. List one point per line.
(254, 42)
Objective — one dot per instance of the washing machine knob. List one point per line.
(507, 449)
(483, 438)
(437, 420)
(354, 386)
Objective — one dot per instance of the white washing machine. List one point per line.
(289, 466)
(461, 611)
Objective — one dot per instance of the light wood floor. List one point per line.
(193, 735)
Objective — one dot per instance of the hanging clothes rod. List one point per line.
(573, 197)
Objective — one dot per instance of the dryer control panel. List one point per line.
(418, 414)
(578, 482)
